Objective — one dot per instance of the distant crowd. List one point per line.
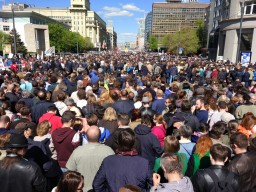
(126, 122)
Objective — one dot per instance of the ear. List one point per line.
(226, 160)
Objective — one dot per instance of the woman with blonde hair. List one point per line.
(109, 120)
(201, 157)
(105, 99)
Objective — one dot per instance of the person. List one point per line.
(247, 124)
(158, 104)
(70, 181)
(109, 120)
(61, 106)
(186, 146)
(242, 163)
(72, 106)
(26, 85)
(52, 118)
(62, 139)
(201, 157)
(87, 159)
(129, 188)
(124, 105)
(171, 145)
(40, 107)
(200, 112)
(123, 121)
(173, 173)
(150, 145)
(16, 173)
(217, 176)
(249, 106)
(4, 125)
(125, 167)
(159, 129)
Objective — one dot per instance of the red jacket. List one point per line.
(54, 120)
(159, 132)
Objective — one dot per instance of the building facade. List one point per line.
(225, 29)
(112, 38)
(148, 23)
(141, 34)
(32, 28)
(170, 17)
(80, 18)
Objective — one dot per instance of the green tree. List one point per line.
(21, 48)
(201, 32)
(152, 42)
(188, 40)
(166, 41)
(58, 36)
(87, 43)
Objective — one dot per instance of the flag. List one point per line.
(50, 51)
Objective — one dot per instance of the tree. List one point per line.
(87, 43)
(201, 33)
(19, 44)
(166, 41)
(152, 42)
(188, 40)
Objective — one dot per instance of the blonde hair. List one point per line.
(110, 114)
(105, 98)
(43, 128)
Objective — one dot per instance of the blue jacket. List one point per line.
(118, 170)
(124, 106)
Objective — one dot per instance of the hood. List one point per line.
(62, 133)
(60, 105)
(47, 116)
(142, 130)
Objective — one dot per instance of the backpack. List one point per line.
(221, 186)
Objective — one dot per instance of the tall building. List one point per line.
(112, 37)
(224, 29)
(80, 18)
(148, 23)
(141, 34)
(169, 17)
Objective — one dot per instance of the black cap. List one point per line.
(17, 141)
(178, 117)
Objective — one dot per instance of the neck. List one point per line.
(66, 125)
(173, 177)
(218, 163)
(240, 151)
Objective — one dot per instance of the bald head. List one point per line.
(93, 134)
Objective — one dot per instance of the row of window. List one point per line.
(6, 28)
(163, 10)
(250, 9)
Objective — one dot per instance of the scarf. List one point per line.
(133, 152)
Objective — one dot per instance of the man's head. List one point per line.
(126, 140)
(170, 163)
(218, 129)
(123, 119)
(199, 103)
(93, 134)
(17, 145)
(92, 119)
(52, 109)
(186, 106)
(4, 121)
(68, 117)
(146, 120)
(218, 154)
(253, 98)
(222, 105)
(185, 131)
(178, 120)
(41, 95)
(239, 142)
(25, 111)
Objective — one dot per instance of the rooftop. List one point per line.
(180, 5)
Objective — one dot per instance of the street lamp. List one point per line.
(240, 32)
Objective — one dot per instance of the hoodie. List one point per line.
(61, 106)
(150, 145)
(62, 140)
(54, 120)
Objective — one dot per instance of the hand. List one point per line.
(156, 179)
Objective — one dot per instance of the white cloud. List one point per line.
(128, 34)
(115, 12)
(132, 7)
(111, 9)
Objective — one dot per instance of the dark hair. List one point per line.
(186, 105)
(25, 111)
(41, 95)
(185, 131)
(146, 120)
(219, 152)
(232, 127)
(129, 188)
(123, 118)
(61, 96)
(52, 108)
(218, 129)
(204, 127)
(68, 116)
(240, 140)
(222, 105)
(92, 119)
(81, 94)
(126, 139)
(171, 163)
(248, 120)
(19, 105)
(69, 181)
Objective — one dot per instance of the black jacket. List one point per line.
(112, 141)
(244, 166)
(150, 145)
(39, 109)
(203, 182)
(22, 176)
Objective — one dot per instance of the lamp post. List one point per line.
(14, 31)
(240, 32)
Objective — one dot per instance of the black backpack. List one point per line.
(223, 185)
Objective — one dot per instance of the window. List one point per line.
(250, 9)
(6, 28)
(5, 20)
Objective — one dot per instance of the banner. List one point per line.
(7, 49)
(50, 51)
(246, 58)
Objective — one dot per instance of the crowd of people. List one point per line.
(126, 122)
